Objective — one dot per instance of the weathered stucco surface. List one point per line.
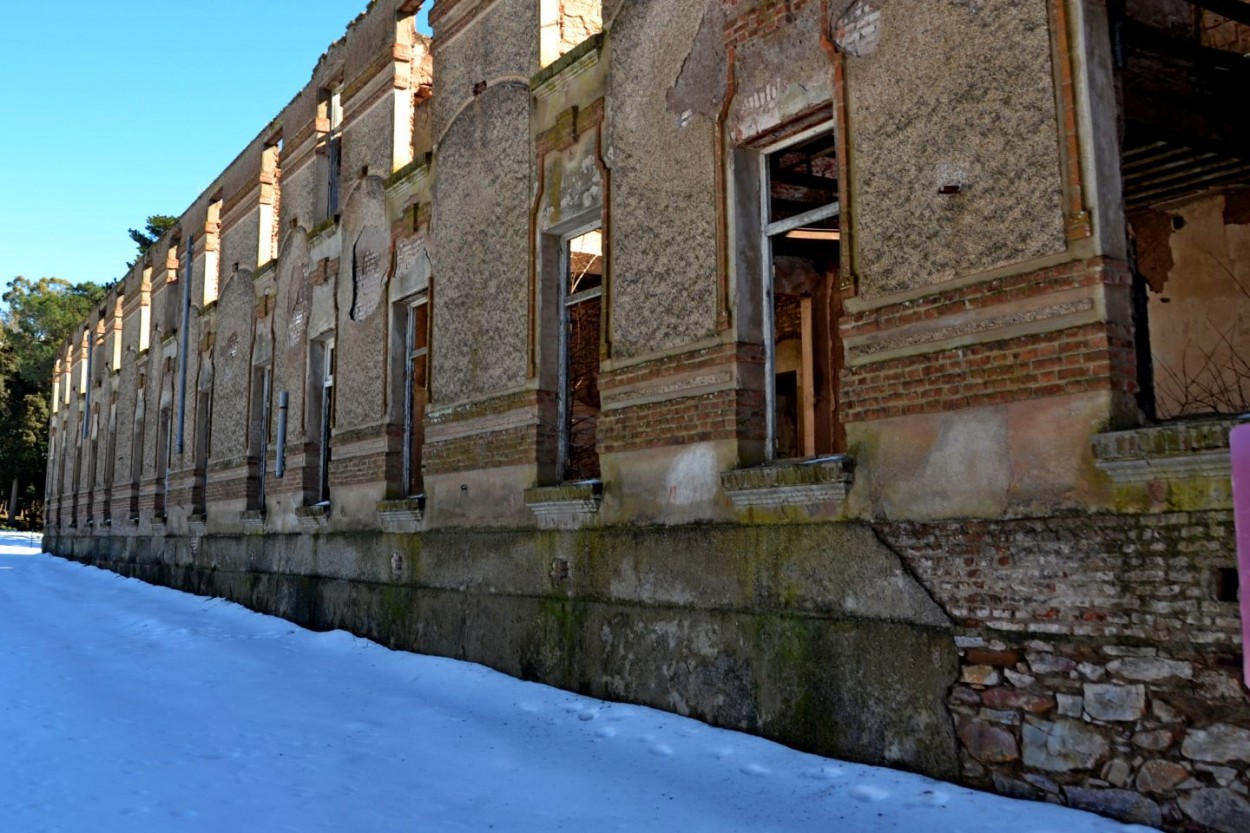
(782, 75)
(481, 254)
(232, 369)
(663, 183)
(980, 114)
(363, 313)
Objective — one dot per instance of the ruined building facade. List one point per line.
(855, 373)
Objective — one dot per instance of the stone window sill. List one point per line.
(567, 506)
(818, 486)
(253, 521)
(313, 518)
(401, 515)
(1175, 451)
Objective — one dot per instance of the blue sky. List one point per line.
(117, 110)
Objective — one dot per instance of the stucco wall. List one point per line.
(663, 177)
(952, 94)
(481, 247)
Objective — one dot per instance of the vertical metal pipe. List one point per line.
(284, 401)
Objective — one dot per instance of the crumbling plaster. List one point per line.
(781, 76)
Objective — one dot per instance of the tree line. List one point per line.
(36, 319)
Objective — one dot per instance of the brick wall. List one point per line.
(489, 447)
(1148, 577)
(746, 19)
(1089, 357)
(729, 413)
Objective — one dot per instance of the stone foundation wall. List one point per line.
(1100, 661)
(814, 636)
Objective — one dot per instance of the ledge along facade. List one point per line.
(858, 374)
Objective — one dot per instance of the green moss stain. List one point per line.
(396, 606)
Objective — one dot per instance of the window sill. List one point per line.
(818, 486)
(313, 518)
(253, 521)
(567, 506)
(1174, 451)
(401, 515)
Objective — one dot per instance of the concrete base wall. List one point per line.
(815, 636)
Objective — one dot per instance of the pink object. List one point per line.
(1239, 446)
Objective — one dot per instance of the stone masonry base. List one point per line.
(1088, 660)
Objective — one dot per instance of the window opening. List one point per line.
(136, 449)
(76, 482)
(185, 331)
(1185, 168)
(203, 446)
(270, 202)
(145, 310)
(580, 336)
(417, 350)
(262, 383)
(110, 459)
(212, 254)
(93, 461)
(322, 364)
(802, 239)
(164, 452)
(330, 150)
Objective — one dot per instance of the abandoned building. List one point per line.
(859, 374)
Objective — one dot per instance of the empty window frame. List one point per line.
(203, 447)
(93, 462)
(801, 246)
(110, 460)
(416, 365)
(270, 202)
(145, 311)
(330, 152)
(262, 386)
(164, 455)
(321, 413)
(581, 318)
(136, 447)
(212, 254)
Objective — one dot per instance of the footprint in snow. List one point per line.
(662, 749)
(933, 798)
(722, 752)
(755, 769)
(587, 715)
(825, 773)
(868, 792)
(606, 732)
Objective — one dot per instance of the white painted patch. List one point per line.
(693, 476)
(859, 30)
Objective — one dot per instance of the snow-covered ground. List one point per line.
(127, 707)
